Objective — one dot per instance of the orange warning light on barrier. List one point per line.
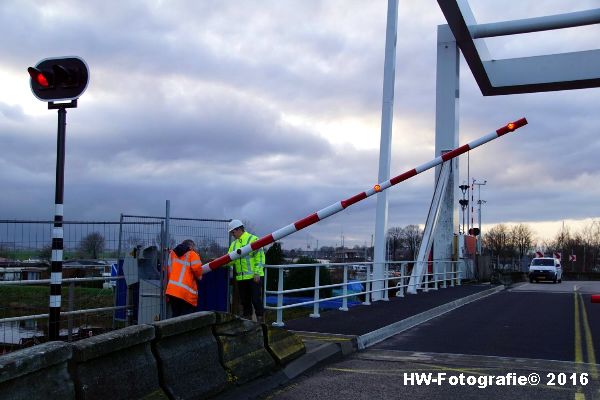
(377, 188)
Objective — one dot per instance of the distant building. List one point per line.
(85, 268)
(23, 271)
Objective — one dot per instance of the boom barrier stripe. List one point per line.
(341, 205)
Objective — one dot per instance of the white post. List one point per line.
(279, 321)
(315, 313)
(386, 283)
(446, 137)
(403, 276)
(344, 306)
(367, 301)
(385, 148)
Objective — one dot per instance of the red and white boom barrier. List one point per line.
(341, 205)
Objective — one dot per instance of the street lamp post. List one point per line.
(464, 202)
(479, 203)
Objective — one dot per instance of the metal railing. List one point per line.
(394, 271)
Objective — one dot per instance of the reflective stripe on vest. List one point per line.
(248, 263)
(185, 265)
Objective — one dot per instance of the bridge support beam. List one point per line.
(446, 137)
(385, 148)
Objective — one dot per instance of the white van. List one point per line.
(545, 268)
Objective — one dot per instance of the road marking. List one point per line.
(388, 372)
(578, 346)
(325, 338)
(591, 354)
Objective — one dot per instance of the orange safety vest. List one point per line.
(182, 274)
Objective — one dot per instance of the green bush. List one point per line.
(273, 256)
(305, 277)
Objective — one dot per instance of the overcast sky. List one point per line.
(270, 110)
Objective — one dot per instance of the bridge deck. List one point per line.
(363, 319)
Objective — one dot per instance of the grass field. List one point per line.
(26, 300)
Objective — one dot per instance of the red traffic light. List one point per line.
(38, 76)
(57, 79)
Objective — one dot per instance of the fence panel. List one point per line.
(88, 291)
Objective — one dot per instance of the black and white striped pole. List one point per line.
(57, 230)
(60, 82)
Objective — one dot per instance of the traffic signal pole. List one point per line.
(59, 81)
(341, 205)
(57, 231)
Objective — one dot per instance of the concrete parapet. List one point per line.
(283, 345)
(188, 356)
(116, 365)
(41, 370)
(242, 350)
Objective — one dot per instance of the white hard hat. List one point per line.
(236, 223)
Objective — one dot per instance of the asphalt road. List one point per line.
(529, 321)
(495, 344)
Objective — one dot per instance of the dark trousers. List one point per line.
(180, 307)
(251, 295)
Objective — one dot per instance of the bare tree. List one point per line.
(497, 241)
(394, 240)
(521, 237)
(91, 246)
(412, 236)
(46, 253)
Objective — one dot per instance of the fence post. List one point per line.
(279, 321)
(454, 272)
(367, 301)
(400, 292)
(445, 284)
(70, 318)
(165, 256)
(315, 313)
(344, 306)
(386, 282)
(119, 248)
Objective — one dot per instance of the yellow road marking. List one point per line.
(369, 371)
(325, 338)
(591, 354)
(578, 346)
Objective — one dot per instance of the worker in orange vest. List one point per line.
(183, 270)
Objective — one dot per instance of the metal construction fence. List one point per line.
(112, 273)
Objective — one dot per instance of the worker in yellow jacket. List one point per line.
(249, 271)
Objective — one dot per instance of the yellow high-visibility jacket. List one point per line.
(252, 263)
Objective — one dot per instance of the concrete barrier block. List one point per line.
(116, 365)
(37, 371)
(223, 317)
(283, 345)
(241, 345)
(188, 357)
(183, 324)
